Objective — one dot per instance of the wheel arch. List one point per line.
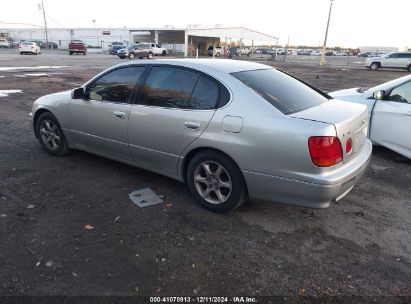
(36, 116)
(189, 156)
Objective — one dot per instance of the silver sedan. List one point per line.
(231, 130)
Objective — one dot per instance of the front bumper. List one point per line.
(316, 194)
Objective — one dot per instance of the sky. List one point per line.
(353, 23)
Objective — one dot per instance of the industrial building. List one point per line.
(176, 40)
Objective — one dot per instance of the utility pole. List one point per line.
(45, 25)
(322, 61)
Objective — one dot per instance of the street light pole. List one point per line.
(45, 24)
(322, 61)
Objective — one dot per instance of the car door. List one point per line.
(98, 123)
(405, 60)
(391, 120)
(391, 61)
(174, 107)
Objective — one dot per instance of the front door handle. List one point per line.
(119, 114)
(192, 125)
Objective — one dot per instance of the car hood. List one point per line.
(353, 94)
(55, 97)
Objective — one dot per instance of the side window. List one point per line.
(205, 95)
(395, 55)
(401, 93)
(115, 86)
(168, 87)
(157, 45)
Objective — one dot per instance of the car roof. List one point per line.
(222, 65)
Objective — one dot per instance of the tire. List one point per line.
(50, 135)
(218, 54)
(409, 68)
(204, 185)
(84, 53)
(150, 56)
(131, 56)
(374, 66)
(164, 53)
(70, 53)
(21, 53)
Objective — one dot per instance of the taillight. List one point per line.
(348, 145)
(325, 151)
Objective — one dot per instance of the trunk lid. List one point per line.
(349, 120)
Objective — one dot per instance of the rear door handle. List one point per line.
(191, 125)
(119, 114)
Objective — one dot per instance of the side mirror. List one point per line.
(77, 93)
(379, 95)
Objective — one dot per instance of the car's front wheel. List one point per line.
(409, 68)
(51, 135)
(374, 66)
(215, 181)
(131, 56)
(150, 56)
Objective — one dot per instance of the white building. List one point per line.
(178, 40)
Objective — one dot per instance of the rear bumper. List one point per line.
(316, 194)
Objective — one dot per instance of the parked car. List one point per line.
(155, 48)
(341, 53)
(42, 44)
(136, 50)
(53, 45)
(114, 47)
(77, 46)
(228, 129)
(4, 43)
(369, 54)
(389, 112)
(29, 47)
(316, 53)
(217, 51)
(390, 60)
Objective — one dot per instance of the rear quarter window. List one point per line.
(286, 93)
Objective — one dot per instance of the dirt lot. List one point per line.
(359, 246)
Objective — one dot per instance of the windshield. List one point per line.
(286, 93)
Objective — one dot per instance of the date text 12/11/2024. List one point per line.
(202, 299)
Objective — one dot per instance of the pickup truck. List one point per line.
(77, 46)
(154, 48)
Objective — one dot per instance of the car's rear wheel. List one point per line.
(150, 56)
(84, 53)
(374, 66)
(218, 54)
(164, 53)
(131, 56)
(51, 135)
(215, 181)
(70, 53)
(409, 68)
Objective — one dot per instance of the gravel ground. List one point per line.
(359, 246)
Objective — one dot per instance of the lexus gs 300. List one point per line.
(231, 130)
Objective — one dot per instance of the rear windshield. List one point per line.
(283, 91)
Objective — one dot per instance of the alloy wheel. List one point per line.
(212, 182)
(50, 134)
